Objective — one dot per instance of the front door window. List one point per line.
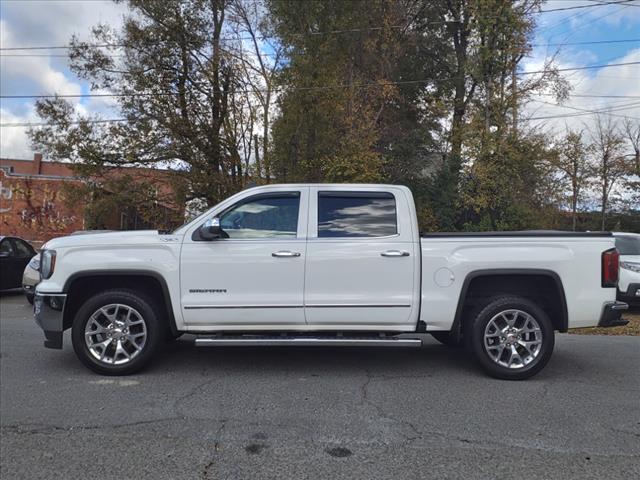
(271, 216)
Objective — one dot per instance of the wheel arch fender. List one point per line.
(91, 281)
(518, 277)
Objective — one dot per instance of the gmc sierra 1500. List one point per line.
(324, 265)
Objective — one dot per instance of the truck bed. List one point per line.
(519, 233)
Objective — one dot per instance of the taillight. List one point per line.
(610, 264)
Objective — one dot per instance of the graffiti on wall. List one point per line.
(35, 209)
(5, 195)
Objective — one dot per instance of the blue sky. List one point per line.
(52, 22)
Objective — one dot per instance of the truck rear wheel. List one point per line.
(511, 337)
(116, 332)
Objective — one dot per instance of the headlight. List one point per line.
(634, 267)
(47, 263)
(35, 263)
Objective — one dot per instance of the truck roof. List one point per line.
(320, 185)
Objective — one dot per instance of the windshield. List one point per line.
(628, 245)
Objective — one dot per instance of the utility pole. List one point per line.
(514, 98)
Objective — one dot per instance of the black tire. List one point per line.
(475, 337)
(155, 330)
(29, 297)
(447, 339)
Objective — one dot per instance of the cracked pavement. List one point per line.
(233, 413)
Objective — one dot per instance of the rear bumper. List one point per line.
(48, 311)
(632, 295)
(612, 313)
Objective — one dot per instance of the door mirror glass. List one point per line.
(211, 229)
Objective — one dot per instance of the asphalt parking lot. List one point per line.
(316, 413)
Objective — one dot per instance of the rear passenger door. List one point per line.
(361, 259)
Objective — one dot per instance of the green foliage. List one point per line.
(347, 115)
(341, 118)
(124, 200)
(500, 188)
(173, 82)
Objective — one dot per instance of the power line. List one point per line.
(582, 14)
(329, 32)
(589, 96)
(122, 45)
(323, 87)
(603, 110)
(583, 68)
(594, 42)
(53, 55)
(600, 4)
(54, 124)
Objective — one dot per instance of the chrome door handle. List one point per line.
(395, 253)
(285, 253)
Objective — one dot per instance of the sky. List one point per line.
(34, 23)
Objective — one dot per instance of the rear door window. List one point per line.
(356, 214)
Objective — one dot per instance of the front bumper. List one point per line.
(48, 309)
(612, 313)
(28, 289)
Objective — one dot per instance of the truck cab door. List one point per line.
(252, 277)
(362, 259)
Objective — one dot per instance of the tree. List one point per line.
(608, 145)
(259, 64)
(503, 188)
(575, 169)
(182, 91)
(337, 86)
(503, 165)
(632, 131)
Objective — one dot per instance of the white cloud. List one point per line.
(44, 23)
(51, 22)
(13, 140)
(614, 81)
(37, 69)
(580, 18)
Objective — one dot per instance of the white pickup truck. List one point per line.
(324, 265)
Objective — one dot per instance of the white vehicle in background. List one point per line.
(628, 245)
(31, 278)
(324, 264)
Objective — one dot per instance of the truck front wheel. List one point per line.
(116, 332)
(511, 337)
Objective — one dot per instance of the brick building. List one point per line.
(33, 200)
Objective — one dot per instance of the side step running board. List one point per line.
(237, 341)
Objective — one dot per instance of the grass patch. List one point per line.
(632, 328)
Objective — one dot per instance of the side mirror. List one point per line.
(211, 229)
(4, 254)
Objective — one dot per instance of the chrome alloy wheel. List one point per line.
(513, 339)
(115, 334)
